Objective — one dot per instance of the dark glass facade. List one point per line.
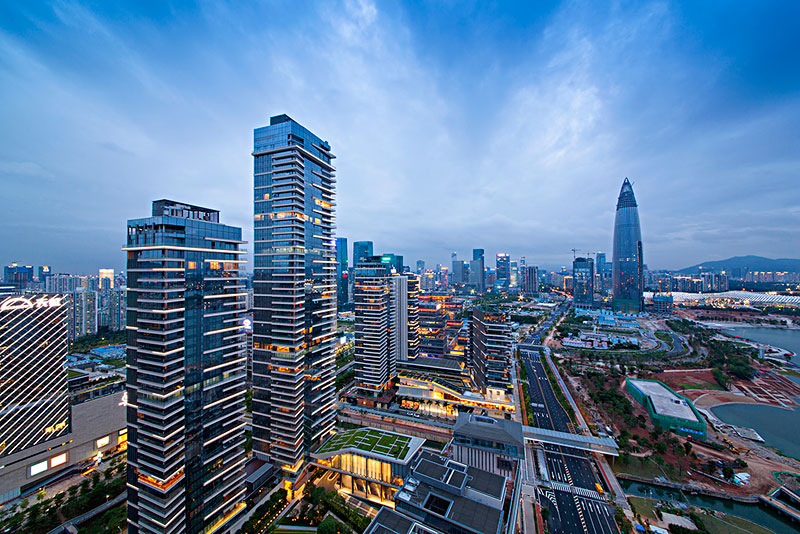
(342, 274)
(186, 370)
(583, 281)
(361, 250)
(490, 348)
(628, 260)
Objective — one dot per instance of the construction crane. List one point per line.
(574, 253)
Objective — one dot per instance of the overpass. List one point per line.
(576, 441)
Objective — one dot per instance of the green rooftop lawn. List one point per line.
(369, 440)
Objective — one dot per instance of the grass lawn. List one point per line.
(369, 440)
(647, 469)
(643, 507)
(702, 385)
(731, 524)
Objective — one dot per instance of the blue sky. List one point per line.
(502, 126)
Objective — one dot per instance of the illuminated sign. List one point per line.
(55, 428)
(22, 303)
(102, 442)
(58, 460)
(247, 323)
(38, 468)
(123, 401)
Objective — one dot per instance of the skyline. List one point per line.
(490, 128)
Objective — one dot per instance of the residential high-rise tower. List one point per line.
(186, 370)
(294, 314)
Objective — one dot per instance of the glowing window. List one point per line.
(193, 265)
(123, 437)
(38, 468)
(58, 460)
(123, 431)
(102, 442)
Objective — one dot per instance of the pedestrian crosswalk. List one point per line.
(583, 492)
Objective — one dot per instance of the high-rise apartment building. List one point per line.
(503, 268)
(490, 347)
(413, 317)
(342, 274)
(382, 329)
(186, 371)
(44, 273)
(583, 281)
(513, 274)
(361, 250)
(84, 313)
(294, 317)
(628, 270)
(601, 266)
(34, 403)
(62, 283)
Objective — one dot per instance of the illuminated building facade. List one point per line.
(491, 350)
(34, 403)
(413, 317)
(628, 261)
(294, 314)
(18, 276)
(186, 370)
(531, 280)
(381, 327)
(503, 268)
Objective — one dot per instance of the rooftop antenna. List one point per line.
(574, 252)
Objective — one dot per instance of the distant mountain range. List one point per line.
(751, 263)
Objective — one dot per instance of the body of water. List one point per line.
(757, 513)
(778, 426)
(784, 338)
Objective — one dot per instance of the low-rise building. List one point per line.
(666, 408)
(494, 445)
(372, 464)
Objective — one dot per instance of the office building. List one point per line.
(18, 276)
(490, 346)
(532, 280)
(186, 370)
(395, 261)
(361, 250)
(420, 266)
(601, 266)
(33, 381)
(628, 269)
(45, 271)
(503, 268)
(460, 274)
(342, 273)
(294, 318)
(583, 281)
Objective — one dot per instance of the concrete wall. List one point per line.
(91, 421)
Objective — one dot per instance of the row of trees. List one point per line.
(265, 513)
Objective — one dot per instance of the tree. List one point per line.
(72, 491)
(95, 479)
(545, 513)
(687, 447)
(23, 503)
(660, 447)
(85, 483)
(727, 472)
(330, 526)
(41, 495)
(108, 473)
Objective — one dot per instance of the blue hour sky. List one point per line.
(457, 124)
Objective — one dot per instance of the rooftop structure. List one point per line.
(666, 408)
(452, 497)
(372, 443)
(494, 445)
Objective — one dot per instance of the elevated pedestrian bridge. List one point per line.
(605, 446)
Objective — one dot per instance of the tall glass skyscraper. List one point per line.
(186, 371)
(294, 311)
(628, 261)
(342, 275)
(361, 250)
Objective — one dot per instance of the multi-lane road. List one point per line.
(571, 491)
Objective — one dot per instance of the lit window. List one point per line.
(38, 468)
(58, 460)
(102, 442)
(123, 437)
(193, 265)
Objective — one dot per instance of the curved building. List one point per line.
(628, 257)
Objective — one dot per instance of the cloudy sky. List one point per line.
(456, 124)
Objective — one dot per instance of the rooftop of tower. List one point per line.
(626, 196)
